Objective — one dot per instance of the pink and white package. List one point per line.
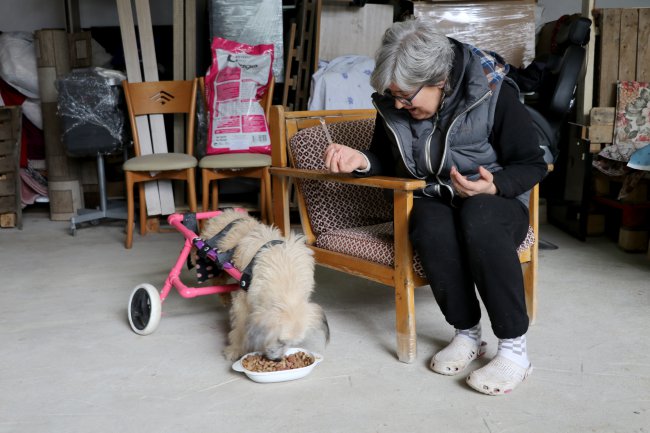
(236, 82)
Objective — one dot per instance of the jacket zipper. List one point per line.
(427, 147)
(444, 152)
(399, 145)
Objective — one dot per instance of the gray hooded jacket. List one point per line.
(458, 135)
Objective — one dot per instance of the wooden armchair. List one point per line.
(348, 222)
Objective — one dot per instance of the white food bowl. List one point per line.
(278, 376)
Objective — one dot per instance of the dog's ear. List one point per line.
(256, 335)
(299, 238)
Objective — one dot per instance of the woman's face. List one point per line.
(421, 104)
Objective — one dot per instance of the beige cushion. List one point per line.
(235, 160)
(160, 162)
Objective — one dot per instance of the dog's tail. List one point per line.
(324, 326)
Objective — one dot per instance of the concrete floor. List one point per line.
(70, 362)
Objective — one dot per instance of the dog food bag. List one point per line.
(236, 82)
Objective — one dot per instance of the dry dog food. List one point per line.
(260, 363)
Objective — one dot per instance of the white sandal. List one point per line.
(500, 376)
(458, 354)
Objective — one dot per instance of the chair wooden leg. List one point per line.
(265, 196)
(130, 205)
(530, 269)
(215, 194)
(205, 190)
(530, 288)
(143, 209)
(191, 190)
(404, 280)
(405, 321)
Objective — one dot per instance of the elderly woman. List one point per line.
(448, 114)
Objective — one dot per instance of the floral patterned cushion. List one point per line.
(349, 219)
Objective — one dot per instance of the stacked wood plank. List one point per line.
(302, 56)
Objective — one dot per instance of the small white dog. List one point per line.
(274, 312)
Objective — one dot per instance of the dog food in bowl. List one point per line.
(295, 364)
(260, 363)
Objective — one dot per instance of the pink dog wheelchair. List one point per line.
(145, 303)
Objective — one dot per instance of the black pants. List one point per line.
(474, 243)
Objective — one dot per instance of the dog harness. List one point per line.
(247, 273)
(211, 261)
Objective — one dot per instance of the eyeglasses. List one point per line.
(408, 102)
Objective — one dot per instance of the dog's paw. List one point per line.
(231, 353)
(226, 299)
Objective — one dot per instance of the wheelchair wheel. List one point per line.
(144, 309)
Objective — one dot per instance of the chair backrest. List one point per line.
(330, 205)
(161, 97)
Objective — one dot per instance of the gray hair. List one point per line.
(412, 54)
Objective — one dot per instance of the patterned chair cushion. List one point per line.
(349, 219)
(330, 205)
(375, 243)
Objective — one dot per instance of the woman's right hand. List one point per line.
(343, 159)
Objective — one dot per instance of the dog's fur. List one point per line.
(275, 313)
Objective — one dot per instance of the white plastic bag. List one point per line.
(18, 62)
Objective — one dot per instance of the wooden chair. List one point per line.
(159, 97)
(234, 165)
(345, 220)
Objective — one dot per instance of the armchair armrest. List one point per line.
(394, 183)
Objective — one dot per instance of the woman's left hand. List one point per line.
(468, 188)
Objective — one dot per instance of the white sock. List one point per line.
(515, 350)
(473, 333)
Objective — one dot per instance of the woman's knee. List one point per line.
(477, 214)
(488, 218)
(429, 222)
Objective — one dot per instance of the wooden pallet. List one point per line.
(624, 51)
(600, 131)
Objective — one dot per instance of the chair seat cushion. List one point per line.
(375, 243)
(160, 162)
(235, 160)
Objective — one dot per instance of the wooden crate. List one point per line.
(600, 131)
(624, 51)
(10, 202)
